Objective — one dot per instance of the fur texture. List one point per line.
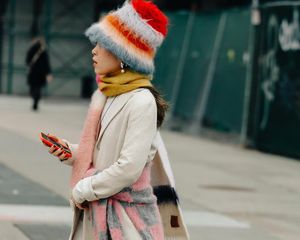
(133, 33)
(166, 194)
(134, 61)
(155, 18)
(131, 18)
(130, 35)
(108, 29)
(139, 203)
(86, 145)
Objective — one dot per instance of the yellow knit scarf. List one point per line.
(118, 83)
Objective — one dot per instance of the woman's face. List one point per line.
(104, 62)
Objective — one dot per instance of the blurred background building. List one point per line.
(230, 66)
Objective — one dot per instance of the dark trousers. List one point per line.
(35, 93)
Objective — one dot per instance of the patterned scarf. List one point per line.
(139, 203)
(118, 83)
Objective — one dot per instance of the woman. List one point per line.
(39, 72)
(112, 194)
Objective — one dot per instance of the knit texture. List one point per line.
(139, 203)
(132, 33)
(119, 83)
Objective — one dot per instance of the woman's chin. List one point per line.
(98, 72)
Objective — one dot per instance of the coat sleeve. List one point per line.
(140, 132)
(73, 148)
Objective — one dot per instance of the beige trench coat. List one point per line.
(127, 140)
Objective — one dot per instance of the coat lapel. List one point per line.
(112, 108)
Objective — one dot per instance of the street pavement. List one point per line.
(227, 192)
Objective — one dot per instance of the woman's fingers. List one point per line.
(78, 205)
(53, 137)
(56, 139)
(52, 149)
(62, 157)
(56, 152)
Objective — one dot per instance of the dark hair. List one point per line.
(161, 103)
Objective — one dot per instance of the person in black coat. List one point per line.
(39, 70)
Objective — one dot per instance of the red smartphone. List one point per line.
(50, 142)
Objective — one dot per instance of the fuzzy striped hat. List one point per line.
(132, 33)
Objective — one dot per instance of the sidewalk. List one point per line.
(226, 192)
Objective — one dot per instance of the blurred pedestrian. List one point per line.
(39, 70)
(112, 195)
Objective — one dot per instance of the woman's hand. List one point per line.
(81, 206)
(58, 152)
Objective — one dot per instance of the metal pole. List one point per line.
(3, 6)
(251, 73)
(182, 59)
(11, 46)
(203, 100)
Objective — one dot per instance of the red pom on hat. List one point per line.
(152, 14)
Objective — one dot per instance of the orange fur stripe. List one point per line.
(112, 32)
(126, 32)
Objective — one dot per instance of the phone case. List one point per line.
(50, 142)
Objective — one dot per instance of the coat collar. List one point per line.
(112, 107)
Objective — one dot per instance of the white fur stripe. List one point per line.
(132, 19)
(110, 31)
